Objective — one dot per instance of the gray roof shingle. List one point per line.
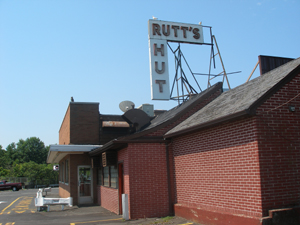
(237, 100)
(177, 110)
(175, 113)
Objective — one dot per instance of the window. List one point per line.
(113, 176)
(110, 176)
(62, 173)
(61, 169)
(99, 180)
(106, 176)
(59, 173)
(67, 172)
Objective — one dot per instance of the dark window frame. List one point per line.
(101, 170)
(62, 172)
(66, 172)
(100, 174)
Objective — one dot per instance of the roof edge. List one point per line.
(116, 144)
(272, 90)
(251, 111)
(215, 87)
(69, 149)
(102, 149)
(209, 124)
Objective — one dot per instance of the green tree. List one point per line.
(27, 158)
(32, 149)
(47, 175)
(4, 171)
(3, 158)
(37, 173)
(12, 154)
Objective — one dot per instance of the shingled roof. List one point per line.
(240, 101)
(184, 107)
(175, 113)
(159, 122)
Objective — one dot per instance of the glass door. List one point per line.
(85, 182)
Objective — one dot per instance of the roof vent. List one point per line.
(136, 117)
(268, 63)
(147, 108)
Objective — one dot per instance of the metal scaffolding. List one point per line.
(182, 89)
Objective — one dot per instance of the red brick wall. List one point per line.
(109, 199)
(172, 177)
(218, 170)
(80, 124)
(148, 180)
(145, 175)
(64, 132)
(64, 191)
(279, 144)
(145, 181)
(84, 125)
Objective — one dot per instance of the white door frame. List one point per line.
(84, 199)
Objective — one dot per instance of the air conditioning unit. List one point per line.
(147, 108)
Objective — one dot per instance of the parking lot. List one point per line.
(17, 208)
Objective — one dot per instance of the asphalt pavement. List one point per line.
(17, 208)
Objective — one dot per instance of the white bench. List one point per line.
(46, 190)
(40, 201)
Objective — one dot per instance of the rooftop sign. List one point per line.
(176, 32)
(159, 32)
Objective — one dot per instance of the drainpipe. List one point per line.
(169, 181)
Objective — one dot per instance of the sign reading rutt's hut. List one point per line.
(159, 33)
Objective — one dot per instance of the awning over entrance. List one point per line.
(57, 152)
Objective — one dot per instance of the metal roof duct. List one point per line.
(268, 63)
(136, 117)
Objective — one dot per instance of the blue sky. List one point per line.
(97, 51)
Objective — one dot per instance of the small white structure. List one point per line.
(125, 206)
(40, 201)
(46, 190)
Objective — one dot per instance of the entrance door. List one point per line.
(85, 189)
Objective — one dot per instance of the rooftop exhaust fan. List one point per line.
(136, 117)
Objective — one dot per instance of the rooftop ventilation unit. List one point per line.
(147, 108)
(136, 117)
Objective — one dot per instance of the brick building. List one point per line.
(143, 162)
(247, 157)
(219, 158)
(82, 130)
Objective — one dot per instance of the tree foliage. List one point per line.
(32, 149)
(27, 158)
(3, 158)
(42, 173)
(4, 172)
